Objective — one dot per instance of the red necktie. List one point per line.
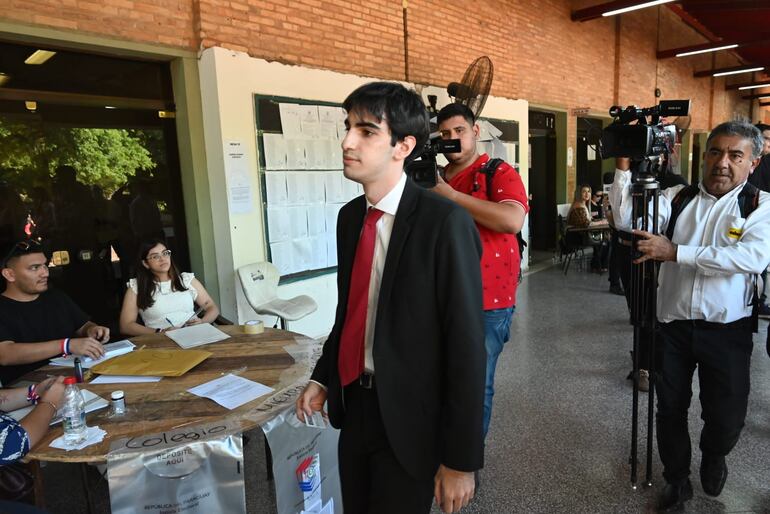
(351, 357)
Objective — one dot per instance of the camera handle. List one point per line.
(645, 192)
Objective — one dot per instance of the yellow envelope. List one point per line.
(156, 363)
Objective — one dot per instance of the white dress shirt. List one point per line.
(718, 252)
(388, 205)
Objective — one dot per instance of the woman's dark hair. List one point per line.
(145, 280)
(400, 107)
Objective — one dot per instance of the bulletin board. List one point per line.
(303, 188)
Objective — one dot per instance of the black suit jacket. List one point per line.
(428, 349)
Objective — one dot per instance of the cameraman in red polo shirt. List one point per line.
(499, 215)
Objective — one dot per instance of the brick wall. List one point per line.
(167, 22)
(538, 52)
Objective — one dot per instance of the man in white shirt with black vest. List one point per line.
(704, 302)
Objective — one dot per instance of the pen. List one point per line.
(169, 322)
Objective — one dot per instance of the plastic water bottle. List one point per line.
(73, 413)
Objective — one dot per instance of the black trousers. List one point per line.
(614, 261)
(623, 255)
(373, 481)
(722, 354)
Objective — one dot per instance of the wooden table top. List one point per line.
(166, 405)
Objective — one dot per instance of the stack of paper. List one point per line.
(196, 335)
(110, 350)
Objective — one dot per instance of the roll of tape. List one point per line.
(253, 327)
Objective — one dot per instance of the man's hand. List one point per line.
(99, 333)
(443, 189)
(453, 489)
(87, 346)
(195, 320)
(654, 247)
(311, 399)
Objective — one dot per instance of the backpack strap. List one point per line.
(489, 169)
(748, 201)
(680, 201)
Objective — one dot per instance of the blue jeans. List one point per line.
(497, 329)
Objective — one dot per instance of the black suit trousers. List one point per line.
(722, 354)
(373, 481)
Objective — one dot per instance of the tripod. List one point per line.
(645, 191)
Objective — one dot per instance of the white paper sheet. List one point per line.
(331, 249)
(334, 191)
(341, 131)
(318, 157)
(290, 120)
(335, 154)
(318, 256)
(110, 350)
(302, 250)
(349, 189)
(297, 187)
(275, 151)
(278, 224)
(275, 182)
(298, 221)
(296, 158)
(328, 117)
(308, 120)
(231, 391)
(123, 379)
(237, 173)
(281, 256)
(196, 335)
(316, 187)
(316, 220)
(332, 210)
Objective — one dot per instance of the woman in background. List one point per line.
(579, 216)
(163, 297)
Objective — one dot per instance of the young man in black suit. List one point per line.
(403, 367)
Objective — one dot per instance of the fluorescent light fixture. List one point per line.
(110, 107)
(718, 48)
(745, 70)
(4, 79)
(755, 86)
(39, 57)
(635, 7)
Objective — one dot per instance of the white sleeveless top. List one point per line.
(170, 307)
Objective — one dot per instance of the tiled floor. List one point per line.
(560, 435)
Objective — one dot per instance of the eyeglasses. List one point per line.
(20, 248)
(158, 256)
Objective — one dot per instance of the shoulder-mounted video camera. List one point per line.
(646, 138)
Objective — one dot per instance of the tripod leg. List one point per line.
(635, 411)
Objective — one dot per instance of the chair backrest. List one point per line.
(260, 282)
(563, 209)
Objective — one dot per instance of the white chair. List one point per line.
(260, 285)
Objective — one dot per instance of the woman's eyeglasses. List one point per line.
(158, 256)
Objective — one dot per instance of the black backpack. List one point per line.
(489, 169)
(748, 200)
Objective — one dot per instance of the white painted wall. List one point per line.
(228, 82)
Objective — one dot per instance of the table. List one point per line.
(277, 358)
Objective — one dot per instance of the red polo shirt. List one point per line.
(500, 261)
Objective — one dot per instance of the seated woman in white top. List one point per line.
(165, 298)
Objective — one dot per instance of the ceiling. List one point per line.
(746, 22)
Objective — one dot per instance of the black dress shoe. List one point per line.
(674, 496)
(617, 289)
(713, 474)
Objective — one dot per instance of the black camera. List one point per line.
(423, 169)
(645, 139)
